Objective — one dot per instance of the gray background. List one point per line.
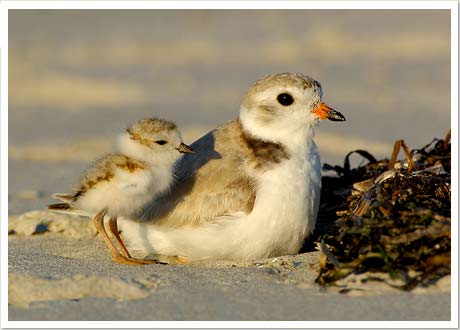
(78, 77)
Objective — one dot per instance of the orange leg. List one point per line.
(113, 226)
(117, 257)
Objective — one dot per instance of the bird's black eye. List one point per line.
(161, 142)
(285, 99)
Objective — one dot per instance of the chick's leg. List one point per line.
(171, 260)
(117, 257)
(113, 226)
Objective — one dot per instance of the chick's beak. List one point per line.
(323, 111)
(184, 149)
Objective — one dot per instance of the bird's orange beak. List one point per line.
(323, 111)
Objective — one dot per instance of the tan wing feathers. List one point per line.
(210, 182)
(101, 170)
(104, 170)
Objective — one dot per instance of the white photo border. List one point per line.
(7, 5)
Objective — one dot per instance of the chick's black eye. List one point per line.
(161, 142)
(285, 99)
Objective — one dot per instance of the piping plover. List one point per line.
(121, 184)
(251, 189)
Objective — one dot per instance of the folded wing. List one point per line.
(210, 183)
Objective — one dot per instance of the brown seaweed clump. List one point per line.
(388, 216)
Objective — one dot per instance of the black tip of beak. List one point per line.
(185, 149)
(334, 115)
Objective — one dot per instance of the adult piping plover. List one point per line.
(121, 184)
(251, 189)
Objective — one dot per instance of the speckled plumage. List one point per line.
(123, 182)
(104, 169)
(143, 130)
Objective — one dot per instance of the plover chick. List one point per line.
(120, 184)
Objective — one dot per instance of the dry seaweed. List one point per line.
(388, 216)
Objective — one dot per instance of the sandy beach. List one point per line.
(78, 78)
(54, 277)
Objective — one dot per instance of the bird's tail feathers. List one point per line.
(72, 211)
(63, 197)
(59, 206)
